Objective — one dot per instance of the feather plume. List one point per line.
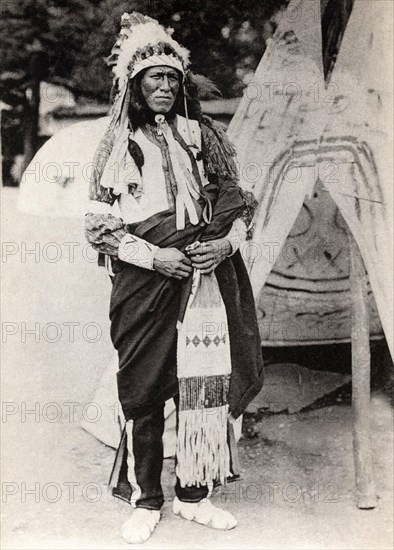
(139, 37)
(204, 87)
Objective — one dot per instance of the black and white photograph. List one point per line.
(197, 242)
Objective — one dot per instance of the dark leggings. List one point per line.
(147, 450)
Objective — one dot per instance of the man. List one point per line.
(167, 210)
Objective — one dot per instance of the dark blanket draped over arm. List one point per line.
(146, 306)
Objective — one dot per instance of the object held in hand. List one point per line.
(193, 246)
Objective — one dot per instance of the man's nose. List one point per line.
(165, 84)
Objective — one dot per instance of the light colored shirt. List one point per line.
(153, 196)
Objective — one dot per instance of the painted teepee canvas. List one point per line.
(313, 147)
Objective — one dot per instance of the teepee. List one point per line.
(316, 152)
(315, 148)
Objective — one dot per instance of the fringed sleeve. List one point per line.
(218, 152)
(221, 167)
(108, 235)
(104, 232)
(248, 213)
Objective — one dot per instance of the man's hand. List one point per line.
(207, 256)
(171, 262)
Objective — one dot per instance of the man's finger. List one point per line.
(201, 258)
(183, 272)
(185, 267)
(202, 249)
(209, 270)
(186, 261)
(204, 265)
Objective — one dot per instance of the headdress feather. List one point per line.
(142, 37)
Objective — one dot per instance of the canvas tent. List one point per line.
(317, 156)
(304, 136)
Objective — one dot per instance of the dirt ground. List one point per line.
(297, 484)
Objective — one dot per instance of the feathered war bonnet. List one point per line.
(142, 43)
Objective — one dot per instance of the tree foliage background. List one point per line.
(226, 40)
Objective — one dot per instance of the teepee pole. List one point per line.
(361, 370)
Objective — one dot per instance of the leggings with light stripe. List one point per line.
(145, 463)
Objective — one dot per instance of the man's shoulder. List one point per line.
(189, 125)
(218, 151)
(209, 123)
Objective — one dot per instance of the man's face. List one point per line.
(160, 86)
